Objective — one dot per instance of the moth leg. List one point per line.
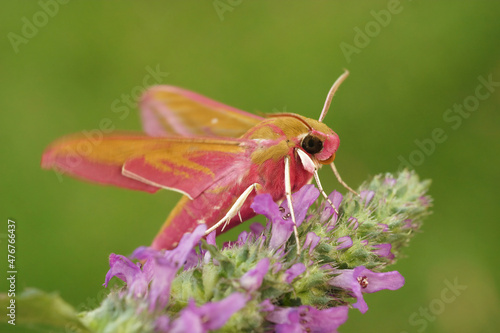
(316, 177)
(312, 167)
(288, 192)
(234, 210)
(341, 181)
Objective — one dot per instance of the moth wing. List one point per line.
(168, 110)
(186, 165)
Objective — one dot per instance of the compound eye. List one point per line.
(312, 144)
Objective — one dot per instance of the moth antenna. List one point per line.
(288, 192)
(341, 181)
(332, 91)
(235, 208)
(316, 177)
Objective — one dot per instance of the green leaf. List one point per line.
(34, 307)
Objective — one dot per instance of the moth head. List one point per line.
(316, 139)
(322, 146)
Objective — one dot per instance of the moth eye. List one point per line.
(312, 144)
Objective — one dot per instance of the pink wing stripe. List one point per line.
(150, 122)
(212, 166)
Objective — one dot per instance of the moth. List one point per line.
(217, 156)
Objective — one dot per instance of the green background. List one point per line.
(262, 56)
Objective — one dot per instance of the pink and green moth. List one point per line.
(217, 156)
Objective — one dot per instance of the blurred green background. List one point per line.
(409, 61)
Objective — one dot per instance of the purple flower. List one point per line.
(276, 267)
(215, 314)
(246, 236)
(210, 316)
(362, 280)
(280, 232)
(186, 244)
(293, 272)
(188, 321)
(192, 259)
(161, 267)
(345, 242)
(408, 224)
(302, 200)
(281, 229)
(242, 238)
(424, 201)
(256, 229)
(307, 318)
(137, 281)
(384, 227)
(390, 181)
(205, 254)
(144, 253)
(164, 272)
(327, 267)
(383, 250)
(312, 240)
(252, 279)
(282, 224)
(162, 323)
(336, 198)
(211, 238)
(367, 196)
(352, 223)
(266, 306)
